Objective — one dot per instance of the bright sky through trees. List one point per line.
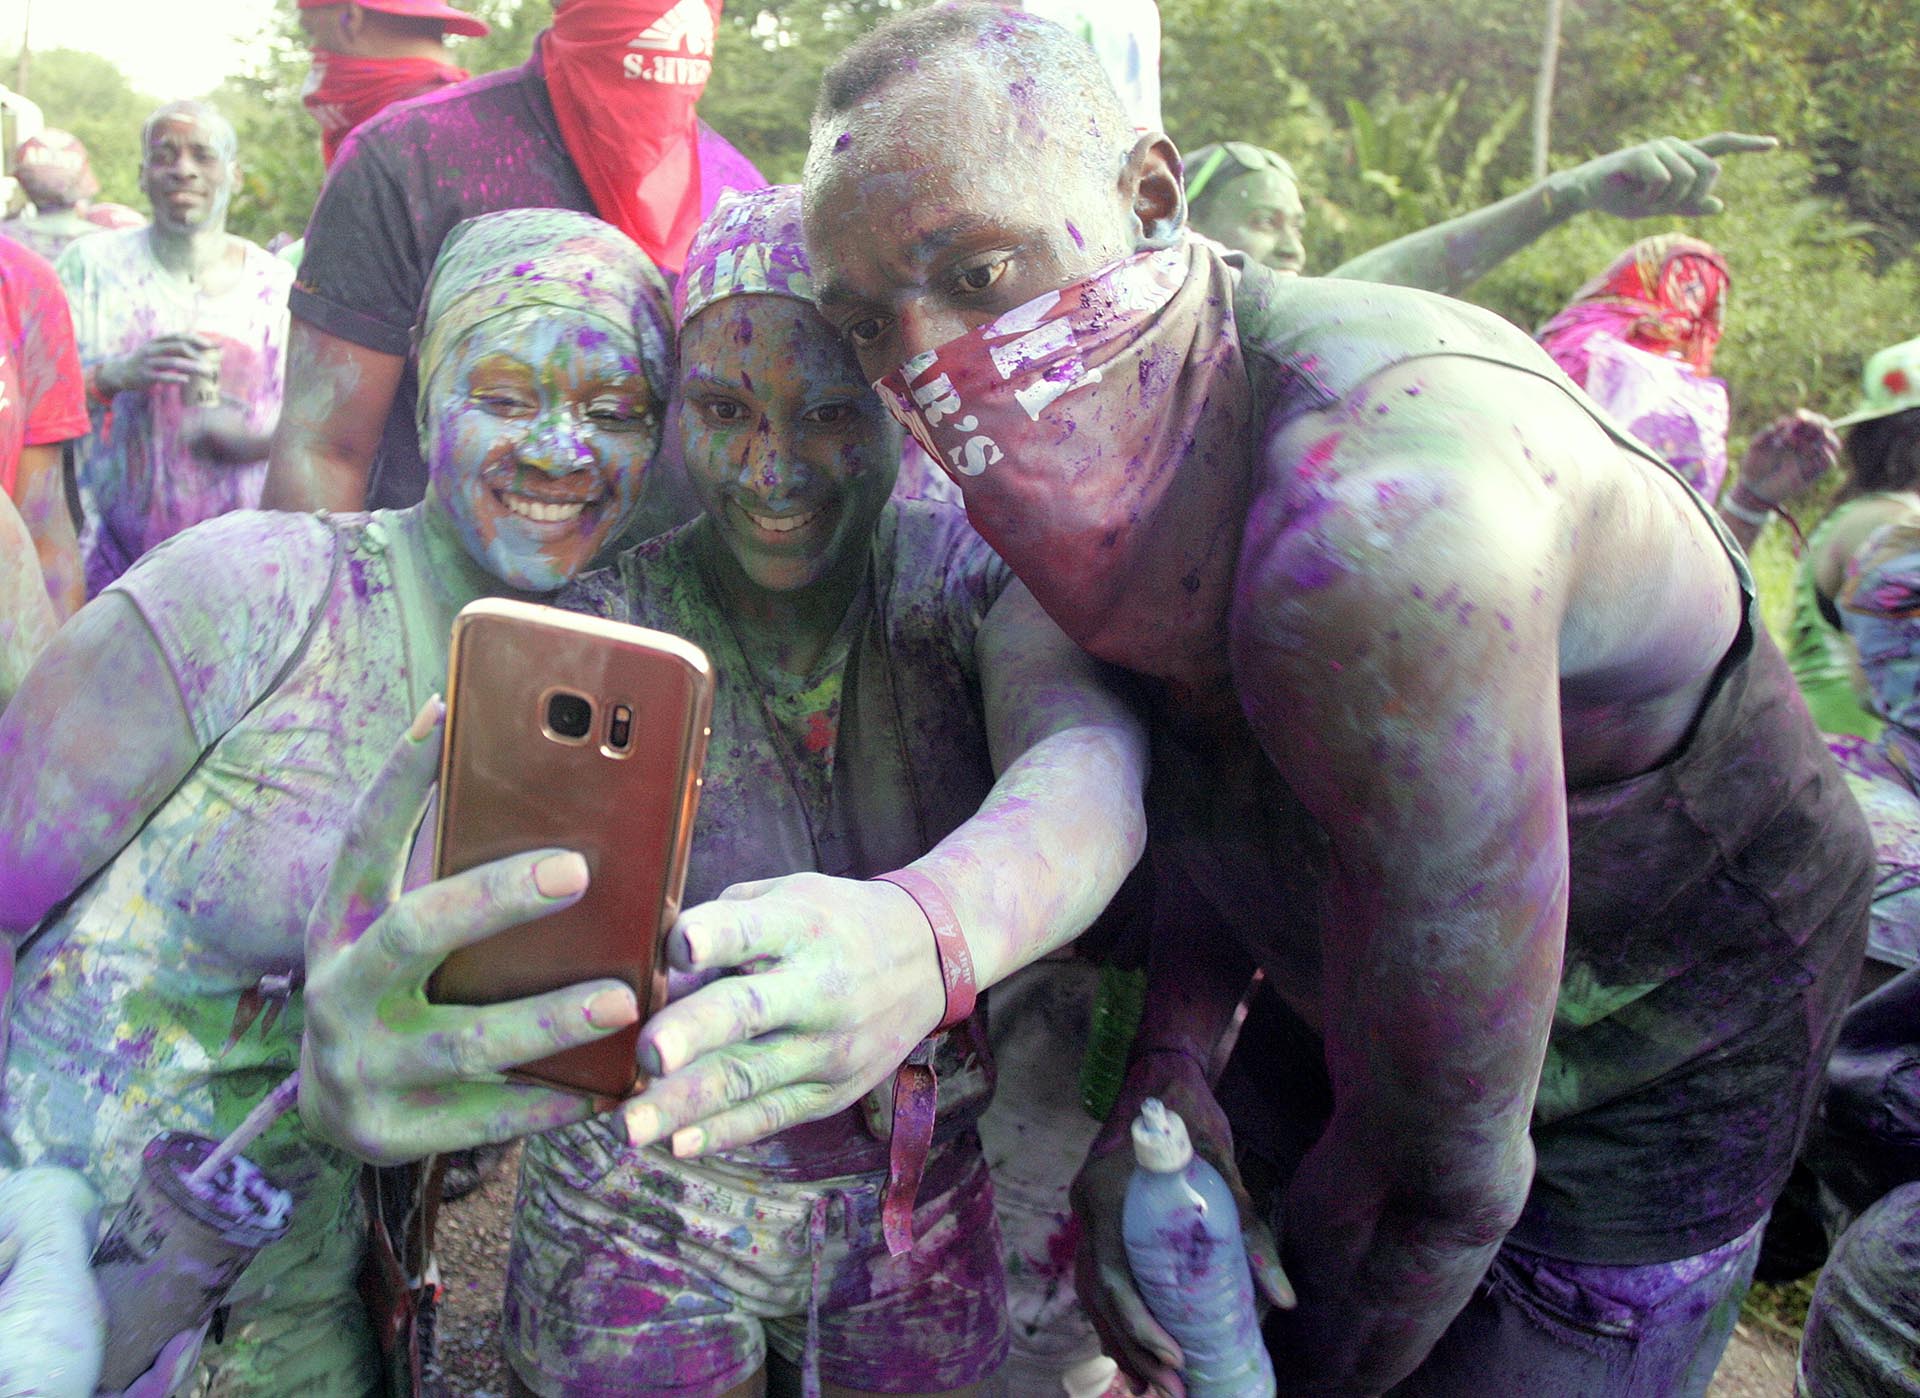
(182, 49)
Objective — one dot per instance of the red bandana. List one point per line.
(343, 92)
(1100, 437)
(624, 76)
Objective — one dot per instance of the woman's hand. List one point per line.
(1128, 1331)
(52, 1327)
(384, 1073)
(835, 981)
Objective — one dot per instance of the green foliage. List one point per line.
(87, 95)
(766, 71)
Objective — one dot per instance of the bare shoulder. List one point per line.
(1425, 469)
(1457, 477)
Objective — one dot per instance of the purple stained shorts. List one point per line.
(1538, 1326)
(633, 1272)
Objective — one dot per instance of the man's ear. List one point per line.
(1153, 185)
(352, 23)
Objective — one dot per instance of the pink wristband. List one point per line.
(949, 943)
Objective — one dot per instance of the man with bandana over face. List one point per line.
(367, 56)
(600, 120)
(182, 331)
(1467, 734)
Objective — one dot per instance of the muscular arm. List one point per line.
(1395, 637)
(1667, 176)
(337, 399)
(43, 505)
(96, 738)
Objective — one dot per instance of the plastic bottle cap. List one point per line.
(1160, 1141)
(1091, 1378)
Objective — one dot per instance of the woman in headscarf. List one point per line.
(177, 773)
(1640, 339)
(877, 668)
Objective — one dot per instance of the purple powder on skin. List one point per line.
(1074, 233)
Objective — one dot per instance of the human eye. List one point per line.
(718, 411)
(865, 330)
(500, 401)
(619, 414)
(978, 277)
(838, 414)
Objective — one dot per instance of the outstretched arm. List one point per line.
(754, 1053)
(838, 978)
(1665, 176)
(1395, 638)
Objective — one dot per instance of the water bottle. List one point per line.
(1183, 1244)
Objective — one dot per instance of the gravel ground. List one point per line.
(473, 1257)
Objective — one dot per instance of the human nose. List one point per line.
(770, 471)
(557, 446)
(925, 325)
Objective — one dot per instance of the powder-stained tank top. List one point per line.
(1718, 904)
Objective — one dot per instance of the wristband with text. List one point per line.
(949, 942)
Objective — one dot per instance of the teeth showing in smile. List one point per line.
(540, 512)
(783, 524)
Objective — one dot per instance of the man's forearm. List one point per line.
(1451, 256)
(43, 507)
(332, 415)
(1049, 848)
(1381, 1273)
(304, 476)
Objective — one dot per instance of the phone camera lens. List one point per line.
(569, 716)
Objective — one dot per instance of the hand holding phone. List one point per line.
(388, 1076)
(570, 732)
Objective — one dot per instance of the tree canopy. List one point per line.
(1396, 115)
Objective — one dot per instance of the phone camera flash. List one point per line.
(620, 728)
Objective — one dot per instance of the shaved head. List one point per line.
(965, 160)
(1048, 76)
(202, 114)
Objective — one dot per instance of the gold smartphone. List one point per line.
(571, 732)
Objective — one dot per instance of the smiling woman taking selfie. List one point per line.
(176, 774)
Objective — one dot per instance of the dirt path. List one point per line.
(473, 1258)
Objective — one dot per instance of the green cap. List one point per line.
(1889, 385)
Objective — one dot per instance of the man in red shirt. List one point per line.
(42, 408)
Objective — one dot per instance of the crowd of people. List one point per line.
(1528, 941)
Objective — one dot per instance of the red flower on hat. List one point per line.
(1896, 381)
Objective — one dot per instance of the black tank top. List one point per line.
(1718, 904)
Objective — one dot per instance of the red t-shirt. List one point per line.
(42, 396)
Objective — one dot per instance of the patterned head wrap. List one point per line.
(500, 263)
(752, 244)
(53, 168)
(1666, 295)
